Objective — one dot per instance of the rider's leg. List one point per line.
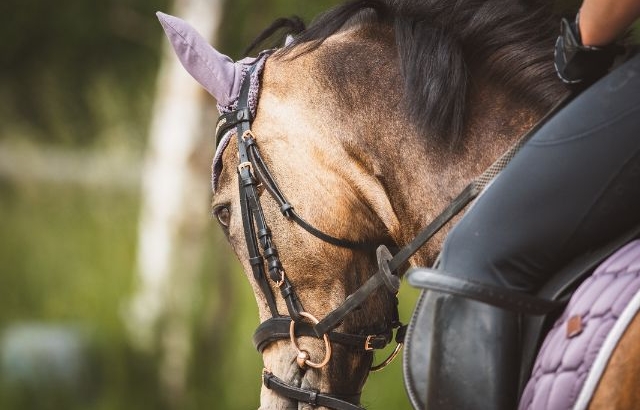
(575, 184)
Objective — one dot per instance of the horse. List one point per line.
(337, 149)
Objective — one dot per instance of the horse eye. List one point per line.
(223, 215)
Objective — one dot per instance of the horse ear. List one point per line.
(216, 72)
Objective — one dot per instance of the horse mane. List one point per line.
(443, 45)
(283, 26)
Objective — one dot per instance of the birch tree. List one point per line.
(174, 209)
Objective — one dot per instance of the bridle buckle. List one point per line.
(367, 343)
(248, 133)
(244, 165)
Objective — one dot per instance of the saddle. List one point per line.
(551, 299)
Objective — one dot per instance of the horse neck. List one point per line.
(422, 176)
(419, 175)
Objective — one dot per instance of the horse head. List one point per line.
(332, 142)
(329, 179)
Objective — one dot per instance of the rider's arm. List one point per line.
(601, 21)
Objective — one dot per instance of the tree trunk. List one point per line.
(174, 209)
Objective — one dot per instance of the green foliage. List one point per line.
(62, 65)
(244, 19)
(81, 72)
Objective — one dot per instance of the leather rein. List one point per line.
(253, 172)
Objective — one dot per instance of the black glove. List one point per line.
(576, 63)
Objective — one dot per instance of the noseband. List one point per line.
(252, 171)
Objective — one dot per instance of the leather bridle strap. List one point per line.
(252, 171)
(312, 397)
(256, 231)
(242, 115)
(287, 209)
(277, 328)
(247, 203)
(388, 266)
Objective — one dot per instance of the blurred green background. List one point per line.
(78, 82)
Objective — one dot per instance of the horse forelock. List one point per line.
(444, 46)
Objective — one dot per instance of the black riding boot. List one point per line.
(461, 355)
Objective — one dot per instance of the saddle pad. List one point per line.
(578, 347)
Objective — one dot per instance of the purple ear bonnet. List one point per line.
(217, 73)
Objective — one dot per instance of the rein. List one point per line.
(252, 171)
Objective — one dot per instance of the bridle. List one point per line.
(252, 172)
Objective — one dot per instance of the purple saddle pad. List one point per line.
(578, 347)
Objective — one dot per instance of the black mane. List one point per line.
(283, 26)
(442, 43)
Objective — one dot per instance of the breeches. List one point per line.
(574, 186)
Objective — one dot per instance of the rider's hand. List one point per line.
(579, 64)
